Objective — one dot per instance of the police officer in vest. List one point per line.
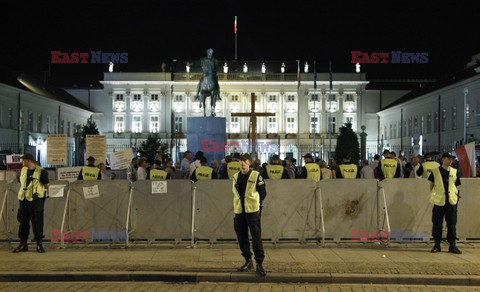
(310, 170)
(444, 197)
(388, 167)
(90, 172)
(232, 167)
(248, 194)
(33, 186)
(427, 166)
(275, 170)
(203, 171)
(347, 169)
(157, 173)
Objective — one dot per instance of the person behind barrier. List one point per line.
(103, 170)
(275, 170)
(412, 167)
(311, 170)
(366, 171)
(249, 192)
(142, 169)
(232, 167)
(326, 173)
(158, 174)
(203, 172)
(132, 170)
(90, 172)
(374, 164)
(196, 162)
(427, 166)
(216, 168)
(388, 167)
(185, 165)
(290, 168)
(347, 169)
(177, 173)
(444, 197)
(33, 187)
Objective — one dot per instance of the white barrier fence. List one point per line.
(294, 210)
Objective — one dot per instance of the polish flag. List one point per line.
(235, 26)
(466, 158)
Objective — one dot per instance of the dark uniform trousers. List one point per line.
(30, 211)
(243, 222)
(450, 213)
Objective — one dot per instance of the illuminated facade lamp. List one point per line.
(264, 68)
(188, 67)
(110, 67)
(245, 68)
(357, 67)
(225, 68)
(282, 69)
(306, 67)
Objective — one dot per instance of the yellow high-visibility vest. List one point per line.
(389, 167)
(204, 172)
(428, 167)
(90, 172)
(158, 174)
(275, 171)
(252, 197)
(34, 187)
(348, 170)
(232, 168)
(313, 171)
(437, 195)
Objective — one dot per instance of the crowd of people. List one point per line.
(197, 167)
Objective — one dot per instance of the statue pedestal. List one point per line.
(207, 134)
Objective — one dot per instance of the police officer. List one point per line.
(203, 172)
(248, 194)
(310, 170)
(427, 166)
(33, 186)
(233, 166)
(275, 170)
(444, 197)
(388, 167)
(347, 169)
(90, 172)
(158, 174)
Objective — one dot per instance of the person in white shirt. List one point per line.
(185, 166)
(142, 169)
(367, 171)
(196, 162)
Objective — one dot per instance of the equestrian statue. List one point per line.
(208, 84)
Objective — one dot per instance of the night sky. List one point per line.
(153, 32)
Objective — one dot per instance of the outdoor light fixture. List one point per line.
(282, 69)
(264, 68)
(306, 67)
(225, 68)
(110, 67)
(188, 67)
(357, 67)
(245, 68)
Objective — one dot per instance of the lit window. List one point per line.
(234, 125)
(179, 124)
(332, 124)
(314, 124)
(272, 125)
(137, 124)
(154, 124)
(119, 124)
(290, 125)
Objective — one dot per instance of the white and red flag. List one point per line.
(466, 158)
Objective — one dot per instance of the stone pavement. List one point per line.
(219, 287)
(218, 263)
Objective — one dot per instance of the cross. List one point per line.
(253, 119)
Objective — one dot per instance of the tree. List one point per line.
(347, 145)
(90, 128)
(153, 146)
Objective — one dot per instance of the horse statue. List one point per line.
(208, 84)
